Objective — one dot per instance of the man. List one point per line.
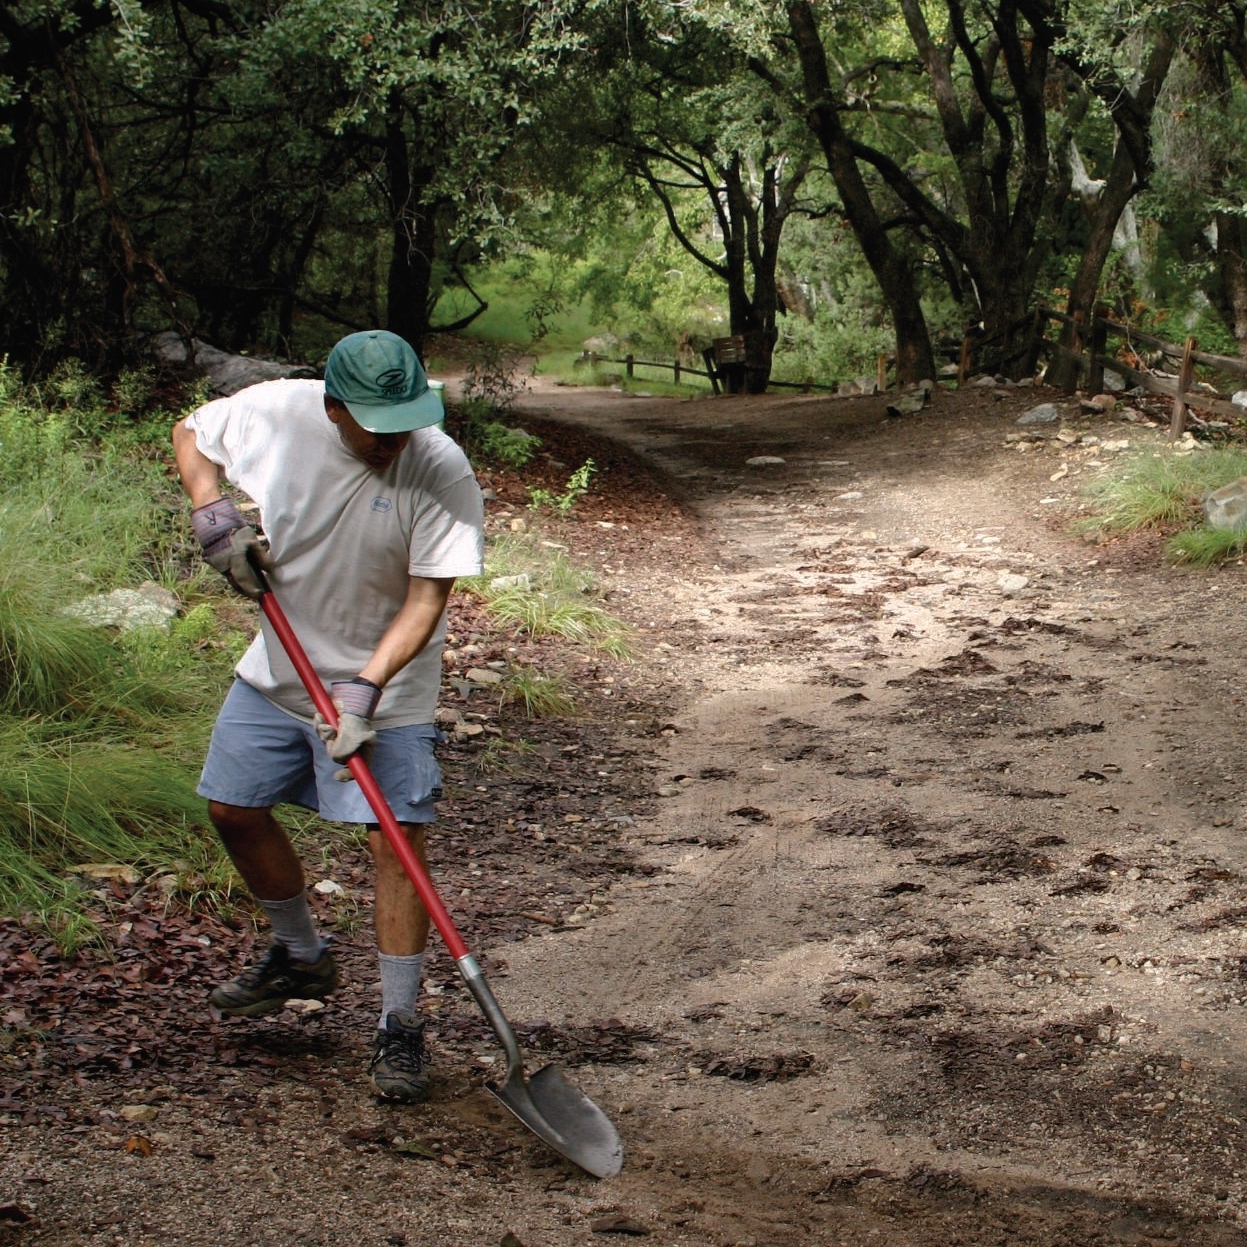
(369, 513)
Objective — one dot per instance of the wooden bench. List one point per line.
(725, 361)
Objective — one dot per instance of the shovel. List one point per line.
(546, 1103)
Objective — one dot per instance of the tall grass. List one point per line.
(100, 734)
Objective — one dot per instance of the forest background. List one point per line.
(829, 181)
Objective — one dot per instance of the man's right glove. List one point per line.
(356, 702)
(230, 544)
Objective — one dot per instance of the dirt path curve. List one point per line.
(945, 941)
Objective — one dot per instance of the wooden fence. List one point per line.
(722, 358)
(1104, 346)
(1109, 346)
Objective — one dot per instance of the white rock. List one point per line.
(522, 581)
(1226, 508)
(148, 606)
(1045, 413)
(761, 461)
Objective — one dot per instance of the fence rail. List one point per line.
(713, 373)
(1088, 349)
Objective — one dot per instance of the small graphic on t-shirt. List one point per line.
(381, 504)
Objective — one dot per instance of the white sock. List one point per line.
(400, 984)
(294, 927)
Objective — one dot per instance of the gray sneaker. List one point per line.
(267, 985)
(399, 1069)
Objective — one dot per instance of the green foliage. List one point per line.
(1158, 491)
(1165, 492)
(1206, 547)
(491, 385)
(499, 443)
(564, 503)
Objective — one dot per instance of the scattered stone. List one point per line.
(909, 405)
(108, 870)
(327, 887)
(1010, 583)
(138, 1112)
(762, 461)
(1045, 413)
(481, 675)
(522, 581)
(1226, 508)
(1101, 403)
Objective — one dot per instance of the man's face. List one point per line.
(377, 450)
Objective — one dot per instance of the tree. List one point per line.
(676, 105)
(1102, 54)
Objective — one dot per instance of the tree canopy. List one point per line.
(266, 176)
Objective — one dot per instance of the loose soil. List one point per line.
(894, 894)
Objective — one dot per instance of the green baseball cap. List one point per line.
(382, 383)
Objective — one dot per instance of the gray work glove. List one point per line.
(232, 546)
(356, 702)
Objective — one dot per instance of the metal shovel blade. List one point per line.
(563, 1117)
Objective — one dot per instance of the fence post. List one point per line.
(676, 370)
(1099, 340)
(963, 364)
(628, 360)
(1074, 334)
(881, 374)
(1177, 421)
(1036, 341)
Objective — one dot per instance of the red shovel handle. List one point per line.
(363, 777)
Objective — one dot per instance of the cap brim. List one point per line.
(419, 413)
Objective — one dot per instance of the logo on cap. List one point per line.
(392, 381)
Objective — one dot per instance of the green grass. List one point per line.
(1164, 491)
(538, 695)
(546, 595)
(101, 733)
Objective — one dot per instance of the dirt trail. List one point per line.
(949, 845)
(931, 929)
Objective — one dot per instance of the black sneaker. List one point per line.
(399, 1069)
(267, 985)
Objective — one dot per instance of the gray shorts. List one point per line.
(260, 756)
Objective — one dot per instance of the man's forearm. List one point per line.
(411, 629)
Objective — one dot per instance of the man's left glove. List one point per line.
(231, 545)
(356, 702)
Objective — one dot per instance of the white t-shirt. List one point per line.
(344, 537)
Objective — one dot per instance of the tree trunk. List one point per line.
(1133, 116)
(413, 236)
(915, 360)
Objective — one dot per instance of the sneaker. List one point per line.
(267, 985)
(399, 1069)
